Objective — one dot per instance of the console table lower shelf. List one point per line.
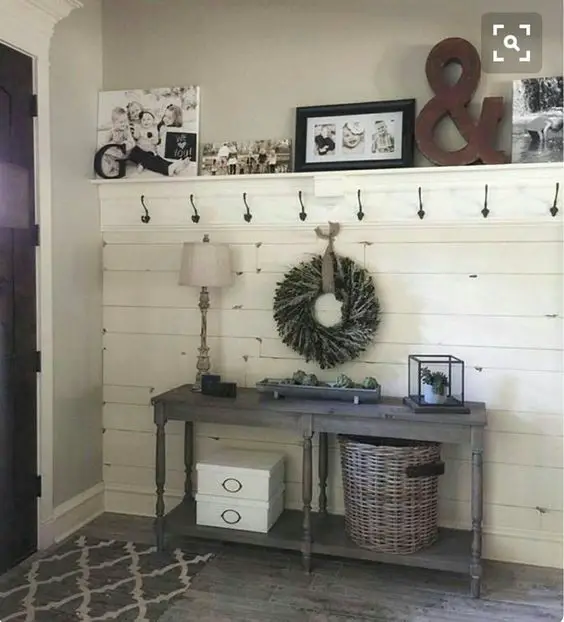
(450, 553)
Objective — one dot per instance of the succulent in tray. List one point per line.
(304, 379)
(344, 382)
(370, 383)
(306, 385)
(299, 377)
(310, 380)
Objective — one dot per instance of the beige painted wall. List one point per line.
(256, 60)
(76, 76)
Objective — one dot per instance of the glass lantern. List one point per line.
(435, 383)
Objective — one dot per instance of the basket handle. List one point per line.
(426, 470)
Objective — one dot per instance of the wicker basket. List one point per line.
(391, 492)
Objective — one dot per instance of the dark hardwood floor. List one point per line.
(246, 584)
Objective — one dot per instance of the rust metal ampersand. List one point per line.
(453, 100)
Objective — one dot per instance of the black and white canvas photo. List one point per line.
(148, 132)
(538, 119)
(252, 157)
(355, 136)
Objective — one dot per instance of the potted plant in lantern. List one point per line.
(435, 385)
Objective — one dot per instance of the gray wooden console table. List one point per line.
(322, 533)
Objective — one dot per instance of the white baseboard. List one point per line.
(137, 501)
(72, 515)
(518, 546)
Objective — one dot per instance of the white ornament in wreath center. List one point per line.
(328, 310)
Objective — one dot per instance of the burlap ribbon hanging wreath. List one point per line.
(352, 286)
(328, 257)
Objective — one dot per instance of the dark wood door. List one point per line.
(18, 343)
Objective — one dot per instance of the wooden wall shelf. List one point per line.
(407, 174)
(449, 196)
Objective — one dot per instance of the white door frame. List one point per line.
(27, 25)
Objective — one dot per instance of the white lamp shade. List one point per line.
(206, 265)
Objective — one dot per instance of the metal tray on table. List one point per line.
(327, 391)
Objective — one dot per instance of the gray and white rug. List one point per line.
(90, 580)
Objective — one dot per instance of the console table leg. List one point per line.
(188, 459)
(160, 475)
(477, 517)
(323, 471)
(307, 496)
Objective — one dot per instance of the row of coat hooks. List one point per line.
(247, 215)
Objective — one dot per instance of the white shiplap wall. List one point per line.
(487, 290)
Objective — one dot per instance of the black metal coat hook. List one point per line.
(195, 215)
(303, 214)
(554, 208)
(145, 217)
(360, 213)
(421, 211)
(485, 210)
(247, 215)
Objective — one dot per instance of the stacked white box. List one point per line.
(240, 489)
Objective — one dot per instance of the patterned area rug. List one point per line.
(89, 580)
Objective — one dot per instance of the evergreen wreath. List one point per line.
(294, 310)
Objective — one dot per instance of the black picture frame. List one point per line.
(309, 147)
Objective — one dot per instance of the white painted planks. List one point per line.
(489, 293)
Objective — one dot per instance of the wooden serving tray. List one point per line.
(356, 395)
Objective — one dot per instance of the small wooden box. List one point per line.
(240, 489)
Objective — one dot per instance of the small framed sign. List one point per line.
(180, 144)
(355, 136)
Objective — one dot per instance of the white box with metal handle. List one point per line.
(240, 489)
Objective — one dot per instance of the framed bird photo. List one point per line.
(366, 135)
(538, 120)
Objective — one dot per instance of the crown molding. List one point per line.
(23, 19)
(55, 9)
(29, 24)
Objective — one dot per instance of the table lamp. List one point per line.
(205, 265)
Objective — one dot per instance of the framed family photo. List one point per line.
(249, 157)
(355, 136)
